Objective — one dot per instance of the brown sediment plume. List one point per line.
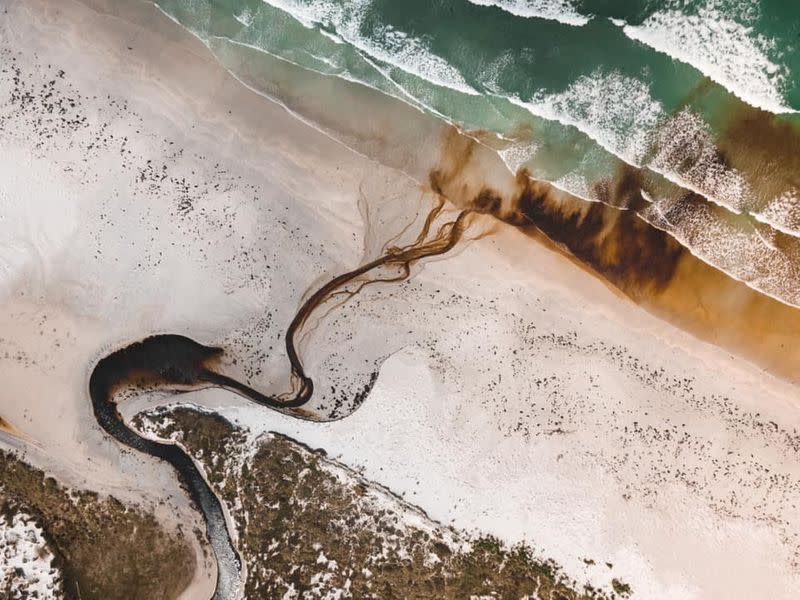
(179, 363)
(9, 429)
(608, 236)
(611, 240)
(619, 244)
(761, 143)
(397, 259)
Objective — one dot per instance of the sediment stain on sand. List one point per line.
(614, 242)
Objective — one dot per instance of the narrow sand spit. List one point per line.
(520, 395)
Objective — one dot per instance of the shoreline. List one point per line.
(734, 315)
(312, 185)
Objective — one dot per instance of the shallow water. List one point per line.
(701, 96)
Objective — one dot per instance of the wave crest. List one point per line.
(723, 49)
(554, 10)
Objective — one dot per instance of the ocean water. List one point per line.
(702, 96)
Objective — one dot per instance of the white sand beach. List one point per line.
(144, 189)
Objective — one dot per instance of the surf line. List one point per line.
(178, 363)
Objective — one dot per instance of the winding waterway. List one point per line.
(178, 362)
(167, 360)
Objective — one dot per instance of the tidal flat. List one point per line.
(515, 414)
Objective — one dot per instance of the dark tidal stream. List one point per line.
(179, 363)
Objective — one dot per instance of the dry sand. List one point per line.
(522, 396)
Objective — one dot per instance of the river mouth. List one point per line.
(177, 362)
(167, 361)
(114, 280)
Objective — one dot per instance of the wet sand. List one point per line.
(530, 398)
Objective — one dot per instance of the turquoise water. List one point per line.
(577, 88)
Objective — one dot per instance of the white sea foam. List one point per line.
(783, 213)
(516, 155)
(743, 250)
(245, 17)
(736, 248)
(618, 113)
(334, 38)
(615, 110)
(554, 10)
(684, 151)
(575, 184)
(723, 48)
(397, 48)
